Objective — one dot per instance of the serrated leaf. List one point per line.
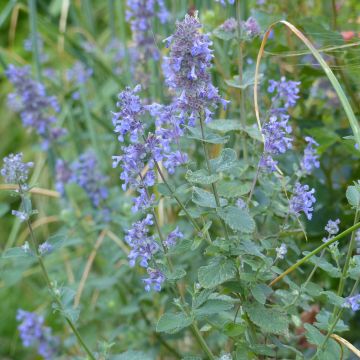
(226, 161)
(353, 196)
(216, 273)
(172, 323)
(209, 137)
(233, 189)
(238, 219)
(176, 274)
(261, 292)
(205, 198)
(201, 177)
(269, 320)
(333, 298)
(315, 337)
(323, 322)
(248, 80)
(212, 306)
(325, 265)
(56, 241)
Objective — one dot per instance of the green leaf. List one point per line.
(201, 177)
(132, 355)
(269, 320)
(227, 160)
(233, 189)
(172, 323)
(248, 80)
(354, 270)
(209, 137)
(233, 330)
(225, 125)
(15, 252)
(333, 298)
(323, 319)
(4, 208)
(224, 35)
(56, 241)
(176, 274)
(261, 292)
(205, 198)
(216, 273)
(325, 138)
(353, 196)
(213, 306)
(314, 336)
(325, 265)
(238, 219)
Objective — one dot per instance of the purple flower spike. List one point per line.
(352, 302)
(310, 161)
(302, 200)
(155, 280)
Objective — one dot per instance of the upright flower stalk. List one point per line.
(16, 171)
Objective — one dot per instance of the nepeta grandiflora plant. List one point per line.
(210, 219)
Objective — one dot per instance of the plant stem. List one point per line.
(314, 252)
(337, 318)
(34, 38)
(196, 331)
(240, 70)
(50, 285)
(172, 192)
(347, 261)
(213, 185)
(202, 342)
(111, 10)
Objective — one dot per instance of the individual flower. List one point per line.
(33, 333)
(352, 302)
(85, 173)
(187, 72)
(21, 215)
(302, 200)
(251, 28)
(281, 251)
(26, 247)
(14, 170)
(37, 110)
(155, 280)
(173, 237)
(310, 160)
(45, 248)
(240, 203)
(285, 92)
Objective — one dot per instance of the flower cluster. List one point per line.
(14, 170)
(85, 173)
(37, 110)
(332, 228)
(281, 251)
(223, 2)
(138, 161)
(251, 28)
(229, 25)
(187, 71)
(352, 302)
(141, 13)
(276, 131)
(302, 200)
(34, 333)
(310, 160)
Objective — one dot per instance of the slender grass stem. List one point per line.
(314, 252)
(241, 70)
(34, 38)
(50, 284)
(213, 186)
